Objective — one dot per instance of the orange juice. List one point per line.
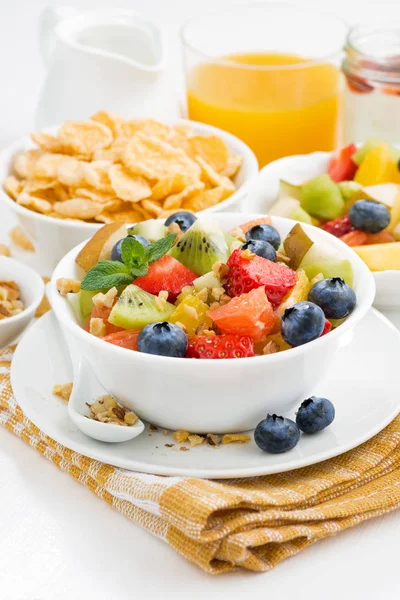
(289, 108)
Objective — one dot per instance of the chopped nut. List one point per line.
(317, 278)
(282, 258)
(187, 290)
(225, 299)
(216, 293)
(63, 390)
(203, 295)
(163, 295)
(214, 305)
(4, 250)
(174, 228)
(213, 439)
(181, 326)
(248, 254)
(235, 246)
(169, 445)
(208, 332)
(68, 286)
(237, 232)
(191, 312)
(19, 237)
(181, 436)
(119, 412)
(220, 270)
(271, 348)
(235, 438)
(130, 418)
(152, 427)
(165, 432)
(103, 404)
(184, 448)
(97, 327)
(195, 440)
(160, 302)
(105, 300)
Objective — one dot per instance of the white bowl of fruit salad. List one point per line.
(158, 309)
(353, 193)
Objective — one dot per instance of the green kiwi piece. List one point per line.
(202, 245)
(136, 308)
(321, 198)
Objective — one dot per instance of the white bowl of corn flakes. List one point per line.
(65, 183)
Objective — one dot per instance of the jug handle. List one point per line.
(49, 18)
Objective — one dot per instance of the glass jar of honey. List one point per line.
(372, 96)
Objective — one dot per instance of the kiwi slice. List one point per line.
(136, 308)
(321, 198)
(201, 246)
(151, 229)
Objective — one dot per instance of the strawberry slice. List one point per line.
(168, 274)
(220, 346)
(339, 227)
(127, 338)
(245, 275)
(327, 328)
(341, 166)
(249, 314)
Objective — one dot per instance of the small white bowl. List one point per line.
(297, 169)
(32, 290)
(217, 396)
(53, 238)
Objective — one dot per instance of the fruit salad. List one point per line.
(357, 200)
(185, 288)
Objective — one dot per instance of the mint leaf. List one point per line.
(160, 247)
(140, 271)
(133, 253)
(106, 274)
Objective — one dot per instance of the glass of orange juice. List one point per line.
(269, 74)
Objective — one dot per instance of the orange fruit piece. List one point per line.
(127, 338)
(383, 237)
(249, 224)
(249, 314)
(355, 238)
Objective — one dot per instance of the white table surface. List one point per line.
(57, 540)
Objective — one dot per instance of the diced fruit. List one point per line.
(299, 214)
(383, 237)
(86, 302)
(327, 328)
(276, 338)
(229, 239)
(341, 165)
(385, 193)
(191, 312)
(167, 274)
(377, 167)
(302, 323)
(116, 252)
(289, 190)
(201, 246)
(151, 229)
(100, 245)
(249, 314)
(365, 149)
(187, 291)
(334, 296)
(249, 224)
(183, 218)
(245, 275)
(163, 339)
(321, 198)
(276, 434)
(102, 312)
(136, 308)
(296, 245)
(339, 227)
(315, 414)
(260, 248)
(209, 281)
(285, 207)
(348, 189)
(125, 339)
(355, 238)
(266, 233)
(369, 216)
(220, 346)
(331, 268)
(298, 293)
(380, 257)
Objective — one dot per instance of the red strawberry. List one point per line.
(220, 346)
(327, 327)
(341, 166)
(245, 275)
(339, 227)
(168, 274)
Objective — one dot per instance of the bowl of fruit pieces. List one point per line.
(207, 325)
(63, 184)
(354, 194)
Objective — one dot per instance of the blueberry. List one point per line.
(261, 248)
(266, 233)
(334, 296)
(183, 218)
(302, 323)
(315, 414)
(276, 434)
(369, 216)
(163, 339)
(116, 251)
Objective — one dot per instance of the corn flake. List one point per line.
(84, 137)
(212, 149)
(78, 208)
(131, 188)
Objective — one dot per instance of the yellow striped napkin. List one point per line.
(250, 523)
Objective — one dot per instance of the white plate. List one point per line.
(363, 384)
(297, 169)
